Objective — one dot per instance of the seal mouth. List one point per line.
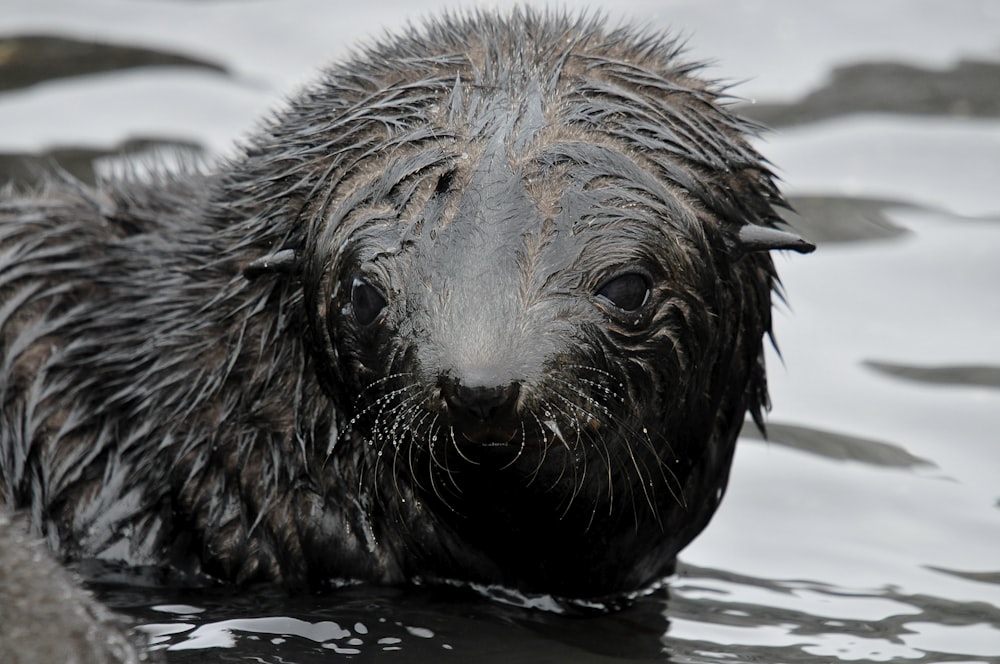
(489, 435)
(496, 445)
(483, 411)
(513, 433)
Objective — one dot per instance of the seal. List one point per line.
(485, 303)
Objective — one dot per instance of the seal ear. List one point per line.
(752, 237)
(284, 261)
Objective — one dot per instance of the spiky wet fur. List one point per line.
(163, 404)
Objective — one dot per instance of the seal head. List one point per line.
(544, 303)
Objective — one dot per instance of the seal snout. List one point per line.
(476, 400)
(483, 409)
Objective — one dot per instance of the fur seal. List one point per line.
(484, 303)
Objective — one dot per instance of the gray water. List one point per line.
(866, 529)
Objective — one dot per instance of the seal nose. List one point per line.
(480, 402)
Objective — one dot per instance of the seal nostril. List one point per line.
(481, 402)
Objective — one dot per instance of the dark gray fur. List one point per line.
(187, 379)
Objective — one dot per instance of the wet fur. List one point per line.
(183, 382)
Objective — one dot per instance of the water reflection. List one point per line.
(789, 620)
(966, 89)
(26, 60)
(708, 615)
(982, 376)
(838, 446)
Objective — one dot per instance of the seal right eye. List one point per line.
(627, 292)
(366, 301)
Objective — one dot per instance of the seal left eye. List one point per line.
(627, 292)
(366, 300)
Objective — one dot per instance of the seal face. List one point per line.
(486, 303)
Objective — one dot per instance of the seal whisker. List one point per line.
(666, 472)
(380, 402)
(544, 434)
(578, 481)
(440, 462)
(520, 449)
(670, 479)
(578, 474)
(637, 464)
(458, 449)
(643, 482)
(380, 435)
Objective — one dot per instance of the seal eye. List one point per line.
(627, 292)
(366, 300)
